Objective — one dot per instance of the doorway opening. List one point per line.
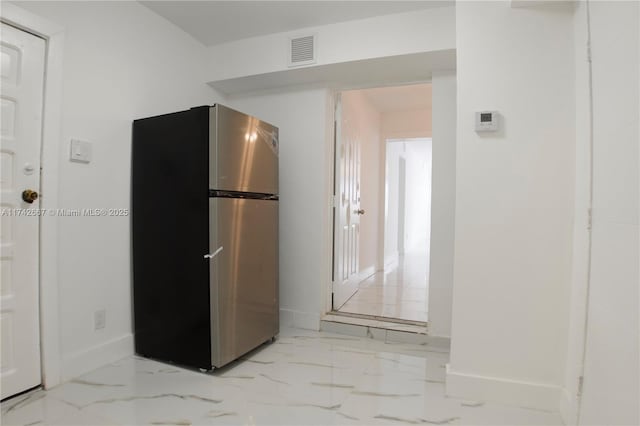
(382, 203)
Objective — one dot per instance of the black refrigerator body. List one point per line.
(204, 235)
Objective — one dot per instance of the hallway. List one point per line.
(399, 292)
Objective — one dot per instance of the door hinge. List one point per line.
(580, 384)
(589, 218)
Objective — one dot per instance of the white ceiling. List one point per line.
(215, 22)
(400, 98)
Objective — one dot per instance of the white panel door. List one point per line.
(21, 98)
(347, 206)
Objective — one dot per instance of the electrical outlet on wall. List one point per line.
(99, 319)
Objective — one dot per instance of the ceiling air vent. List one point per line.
(302, 50)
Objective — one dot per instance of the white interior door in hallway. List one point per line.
(22, 60)
(347, 206)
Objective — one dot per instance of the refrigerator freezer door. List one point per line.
(243, 153)
(244, 276)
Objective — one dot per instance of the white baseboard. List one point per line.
(82, 362)
(538, 396)
(298, 319)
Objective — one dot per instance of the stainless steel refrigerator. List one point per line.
(204, 235)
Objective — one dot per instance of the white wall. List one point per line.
(407, 220)
(442, 202)
(121, 62)
(612, 364)
(305, 164)
(514, 204)
(418, 196)
(365, 122)
(404, 33)
(394, 150)
(415, 123)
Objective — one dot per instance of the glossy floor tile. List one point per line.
(304, 378)
(399, 292)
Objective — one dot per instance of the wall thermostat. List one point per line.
(487, 121)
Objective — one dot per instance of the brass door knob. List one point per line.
(29, 196)
(360, 211)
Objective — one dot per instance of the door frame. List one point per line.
(53, 34)
(330, 128)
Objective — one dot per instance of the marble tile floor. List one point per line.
(304, 378)
(397, 292)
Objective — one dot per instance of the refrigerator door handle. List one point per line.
(214, 254)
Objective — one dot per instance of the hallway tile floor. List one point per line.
(304, 378)
(399, 292)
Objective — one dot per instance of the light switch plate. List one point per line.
(80, 151)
